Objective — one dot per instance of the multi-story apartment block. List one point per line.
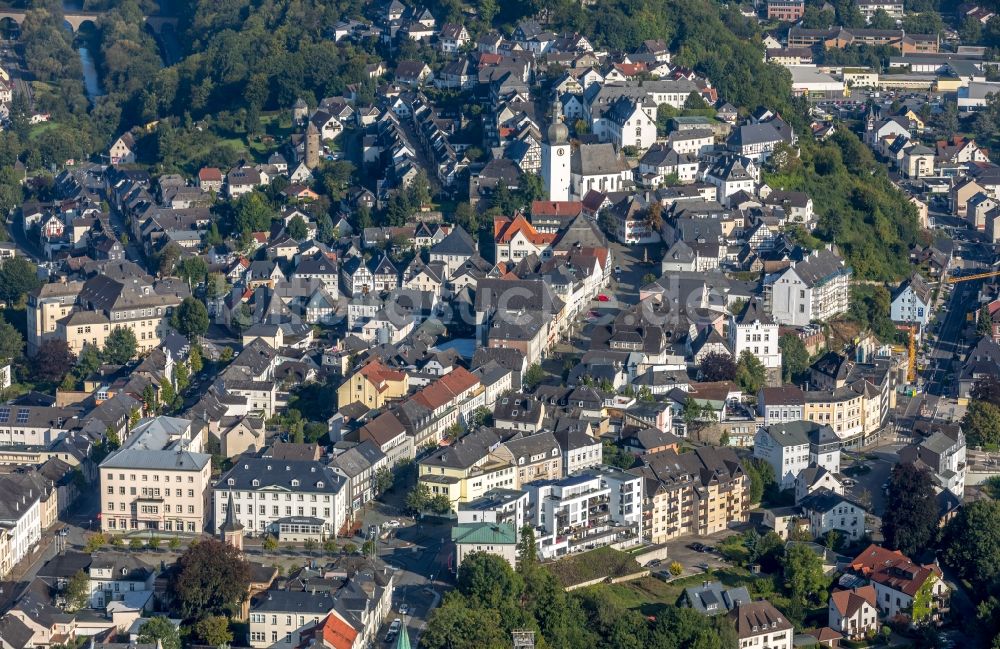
(269, 492)
(788, 11)
(103, 304)
(157, 480)
(814, 289)
(700, 492)
(48, 305)
(20, 519)
(594, 508)
(467, 469)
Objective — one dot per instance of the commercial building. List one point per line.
(157, 480)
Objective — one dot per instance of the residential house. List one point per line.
(899, 583)
(812, 290)
(853, 612)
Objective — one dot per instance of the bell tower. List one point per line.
(555, 157)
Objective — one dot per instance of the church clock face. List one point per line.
(560, 150)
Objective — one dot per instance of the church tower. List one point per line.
(231, 531)
(555, 157)
(312, 146)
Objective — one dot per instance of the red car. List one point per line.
(603, 298)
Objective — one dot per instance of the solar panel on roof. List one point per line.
(22, 415)
(4, 415)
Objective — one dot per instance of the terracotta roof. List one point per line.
(555, 208)
(379, 375)
(210, 174)
(893, 569)
(336, 633)
(505, 229)
(849, 602)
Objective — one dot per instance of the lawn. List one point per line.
(649, 595)
(595, 564)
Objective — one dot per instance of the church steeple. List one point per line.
(231, 530)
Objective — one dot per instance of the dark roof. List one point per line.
(458, 242)
(312, 476)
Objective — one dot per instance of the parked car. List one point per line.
(392, 523)
(393, 631)
(697, 547)
(403, 609)
(603, 298)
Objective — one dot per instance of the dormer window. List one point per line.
(295, 483)
(256, 482)
(319, 485)
(231, 482)
(520, 460)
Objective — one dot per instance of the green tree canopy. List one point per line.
(18, 276)
(910, 522)
(212, 579)
(120, 346)
(794, 357)
(751, 374)
(190, 318)
(162, 629)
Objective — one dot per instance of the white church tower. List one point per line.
(555, 157)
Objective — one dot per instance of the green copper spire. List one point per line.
(403, 639)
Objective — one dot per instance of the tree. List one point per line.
(162, 629)
(761, 475)
(52, 361)
(695, 101)
(192, 270)
(466, 217)
(167, 258)
(972, 543)
(910, 520)
(251, 213)
(794, 357)
(718, 366)
(804, 576)
(533, 376)
(882, 20)
(77, 591)
(11, 342)
(212, 579)
(214, 630)
(750, 373)
(18, 276)
(527, 551)
(94, 543)
(297, 228)
(982, 424)
(487, 580)
(457, 625)
(675, 568)
(135, 543)
(270, 543)
(120, 346)
(195, 360)
(984, 321)
(383, 480)
(190, 318)
(419, 498)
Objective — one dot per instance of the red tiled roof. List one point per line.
(893, 569)
(849, 602)
(379, 375)
(336, 633)
(210, 174)
(505, 229)
(556, 208)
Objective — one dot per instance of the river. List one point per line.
(91, 82)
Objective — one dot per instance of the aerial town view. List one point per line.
(500, 324)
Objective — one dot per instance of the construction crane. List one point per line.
(966, 278)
